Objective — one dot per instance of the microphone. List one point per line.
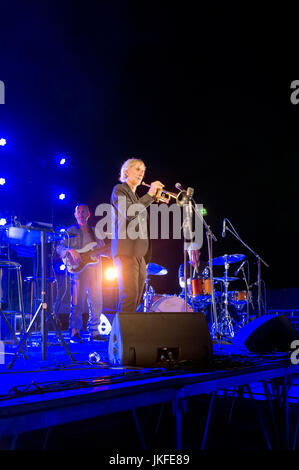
(224, 228)
(240, 267)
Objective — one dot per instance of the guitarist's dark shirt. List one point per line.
(78, 241)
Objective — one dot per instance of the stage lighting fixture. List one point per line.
(61, 196)
(62, 161)
(62, 267)
(204, 211)
(111, 274)
(3, 221)
(2, 181)
(2, 142)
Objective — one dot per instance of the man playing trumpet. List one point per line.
(131, 254)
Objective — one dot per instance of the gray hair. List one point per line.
(126, 166)
(79, 205)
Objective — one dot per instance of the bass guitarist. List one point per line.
(88, 280)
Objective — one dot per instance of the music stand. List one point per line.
(33, 235)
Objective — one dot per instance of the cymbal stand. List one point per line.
(210, 238)
(248, 296)
(147, 296)
(259, 262)
(226, 326)
(42, 308)
(239, 304)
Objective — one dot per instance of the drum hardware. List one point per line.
(235, 298)
(149, 293)
(44, 234)
(222, 260)
(249, 297)
(240, 267)
(226, 325)
(156, 270)
(238, 297)
(223, 279)
(259, 261)
(201, 286)
(148, 296)
(168, 303)
(201, 293)
(188, 202)
(243, 322)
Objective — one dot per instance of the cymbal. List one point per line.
(156, 270)
(223, 279)
(221, 260)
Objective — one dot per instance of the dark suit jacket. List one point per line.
(121, 199)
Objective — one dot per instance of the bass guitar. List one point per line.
(89, 255)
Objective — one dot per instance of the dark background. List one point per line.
(201, 94)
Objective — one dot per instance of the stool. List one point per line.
(16, 268)
(35, 279)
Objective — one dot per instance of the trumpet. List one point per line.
(165, 196)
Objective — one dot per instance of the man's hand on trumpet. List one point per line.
(154, 187)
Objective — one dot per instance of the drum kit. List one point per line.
(204, 294)
(230, 304)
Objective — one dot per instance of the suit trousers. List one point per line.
(131, 281)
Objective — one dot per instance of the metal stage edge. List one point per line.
(39, 411)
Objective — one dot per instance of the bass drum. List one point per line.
(168, 303)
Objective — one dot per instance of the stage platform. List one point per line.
(46, 395)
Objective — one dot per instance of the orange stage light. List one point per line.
(111, 274)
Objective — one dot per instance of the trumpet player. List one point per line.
(131, 254)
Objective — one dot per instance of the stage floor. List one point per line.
(38, 394)
(58, 365)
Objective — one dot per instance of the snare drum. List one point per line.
(168, 303)
(238, 296)
(201, 287)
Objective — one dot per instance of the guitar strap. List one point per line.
(92, 237)
(92, 234)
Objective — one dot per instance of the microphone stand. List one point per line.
(185, 280)
(187, 229)
(210, 237)
(186, 201)
(259, 261)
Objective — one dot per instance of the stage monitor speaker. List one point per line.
(268, 333)
(146, 339)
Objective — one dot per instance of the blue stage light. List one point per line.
(61, 159)
(3, 221)
(2, 181)
(62, 267)
(2, 142)
(61, 196)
